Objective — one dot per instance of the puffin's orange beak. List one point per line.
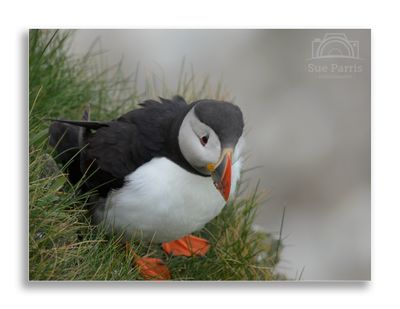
(221, 173)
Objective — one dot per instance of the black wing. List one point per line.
(109, 151)
(119, 147)
(110, 154)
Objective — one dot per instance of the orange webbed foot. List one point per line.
(153, 268)
(150, 268)
(187, 246)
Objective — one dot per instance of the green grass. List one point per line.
(62, 243)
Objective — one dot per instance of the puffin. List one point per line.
(159, 172)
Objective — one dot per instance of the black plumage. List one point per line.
(224, 118)
(106, 152)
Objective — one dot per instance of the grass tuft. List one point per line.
(62, 243)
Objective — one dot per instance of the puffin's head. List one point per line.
(207, 138)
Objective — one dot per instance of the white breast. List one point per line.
(161, 201)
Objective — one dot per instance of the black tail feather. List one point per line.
(64, 138)
(92, 125)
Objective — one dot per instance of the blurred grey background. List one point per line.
(305, 95)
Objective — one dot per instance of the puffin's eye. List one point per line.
(204, 140)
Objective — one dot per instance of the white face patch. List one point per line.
(196, 152)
